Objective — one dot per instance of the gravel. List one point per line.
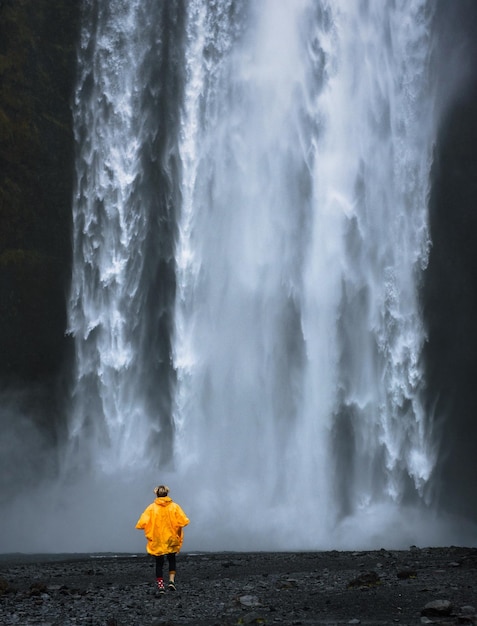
(415, 586)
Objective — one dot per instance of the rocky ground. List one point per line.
(416, 586)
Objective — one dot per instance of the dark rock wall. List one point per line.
(37, 66)
(450, 287)
(450, 299)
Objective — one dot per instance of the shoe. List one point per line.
(171, 586)
(160, 586)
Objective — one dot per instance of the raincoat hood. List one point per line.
(163, 501)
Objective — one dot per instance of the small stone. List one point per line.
(437, 608)
(249, 600)
(253, 618)
(368, 579)
(287, 584)
(4, 586)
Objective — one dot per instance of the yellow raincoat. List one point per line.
(162, 522)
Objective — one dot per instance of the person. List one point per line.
(162, 522)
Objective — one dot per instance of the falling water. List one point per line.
(122, 249)
(250, 229)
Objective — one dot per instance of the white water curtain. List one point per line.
(304, 138)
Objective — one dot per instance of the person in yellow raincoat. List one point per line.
(162, 522)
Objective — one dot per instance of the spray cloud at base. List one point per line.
(93, 515)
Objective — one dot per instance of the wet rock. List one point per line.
(437, 608)
(368, 579)
(37, 589)
(4, 586)
(249, 600)
(287, 584)
(467, 615)
(253, 618)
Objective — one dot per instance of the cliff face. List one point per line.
(37, 66)
(450, 304)
(449, 294)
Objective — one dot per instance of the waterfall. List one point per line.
(250, 231)
(118, 313)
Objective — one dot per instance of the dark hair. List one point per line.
(161, 491)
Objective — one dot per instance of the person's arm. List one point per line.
(143, 520)
(181, 518)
